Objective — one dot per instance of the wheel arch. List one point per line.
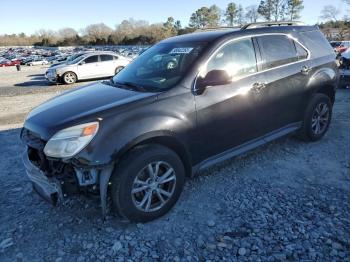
(165, 140)
(328, 90)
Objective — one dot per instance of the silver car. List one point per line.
(88, 66)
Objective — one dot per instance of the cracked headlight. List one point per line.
(70, 141)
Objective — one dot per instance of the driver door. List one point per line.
(89, 67)
(226, 113)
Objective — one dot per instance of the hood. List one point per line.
(62, 65)
(57, 64)
(79, 106)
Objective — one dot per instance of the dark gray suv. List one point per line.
(185, 104)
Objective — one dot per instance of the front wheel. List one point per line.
(317, 118)
(147, 183)
(69, 78)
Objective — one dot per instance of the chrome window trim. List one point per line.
(258, 72)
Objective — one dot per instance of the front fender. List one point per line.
(117, 137)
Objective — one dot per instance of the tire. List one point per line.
(133, 174)
(317, 118)
(69, 78)
(118, 69)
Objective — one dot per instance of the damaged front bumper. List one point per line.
(48, 188)
(52, 186)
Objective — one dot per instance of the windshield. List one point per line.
(76, 60)
(160, 67)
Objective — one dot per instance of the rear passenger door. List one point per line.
(285, 67)
(106, 66)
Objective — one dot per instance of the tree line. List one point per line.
(140, 32)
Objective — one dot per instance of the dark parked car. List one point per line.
(139, 135)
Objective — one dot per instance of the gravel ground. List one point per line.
(286, 201)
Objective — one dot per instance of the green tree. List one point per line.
(231, 13)
(199, 19)
(294, 7)
(265, 9)
(272, 10)
(214, 16)
(169, 27)
(206, 17)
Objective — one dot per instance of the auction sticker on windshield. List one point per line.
(181, 50)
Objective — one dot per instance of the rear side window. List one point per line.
(91, 59)
(106, 58)
(316, 43)
(237, 58)
(277, 50)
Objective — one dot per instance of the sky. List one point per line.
(29, 16)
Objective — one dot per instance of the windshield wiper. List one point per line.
(132, 86)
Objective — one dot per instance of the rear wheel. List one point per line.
(118, 69)
(69, 78)
(317, 118)
(147, 183)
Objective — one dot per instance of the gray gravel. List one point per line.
(286, 201)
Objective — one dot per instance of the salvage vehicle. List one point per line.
(6, 62)
(92, 65)
(37, 61)
(136, 137)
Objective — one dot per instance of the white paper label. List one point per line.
(181, 50)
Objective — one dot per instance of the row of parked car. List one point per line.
(87, 65)
(36, 56)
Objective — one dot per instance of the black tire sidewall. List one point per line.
(118, 69)
(130, 166)
(316, 99)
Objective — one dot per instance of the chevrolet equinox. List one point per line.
(185, 104)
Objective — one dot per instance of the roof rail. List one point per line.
(218, 28)
(270, 24)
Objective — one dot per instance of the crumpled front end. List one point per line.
(57, 179)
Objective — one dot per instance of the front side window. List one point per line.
(161, 67)
(237, 59)
(277, 50)
(91, 59)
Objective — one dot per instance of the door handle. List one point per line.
(305, 70)
(257, 87)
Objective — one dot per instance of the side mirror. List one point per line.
(82, 63)
(213, 78)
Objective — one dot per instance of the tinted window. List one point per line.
(91, 59)
(277, 50)
(106, 58)
(237, 58)
(301, 52)
(161, 67)
(316, 43)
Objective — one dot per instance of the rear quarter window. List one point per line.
(316, 42)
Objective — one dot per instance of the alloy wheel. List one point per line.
(153, 186)
(320, 118)
(69, 78)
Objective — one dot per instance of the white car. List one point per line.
(38, 61)
(88, 66)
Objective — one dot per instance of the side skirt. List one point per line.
(238, 150)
